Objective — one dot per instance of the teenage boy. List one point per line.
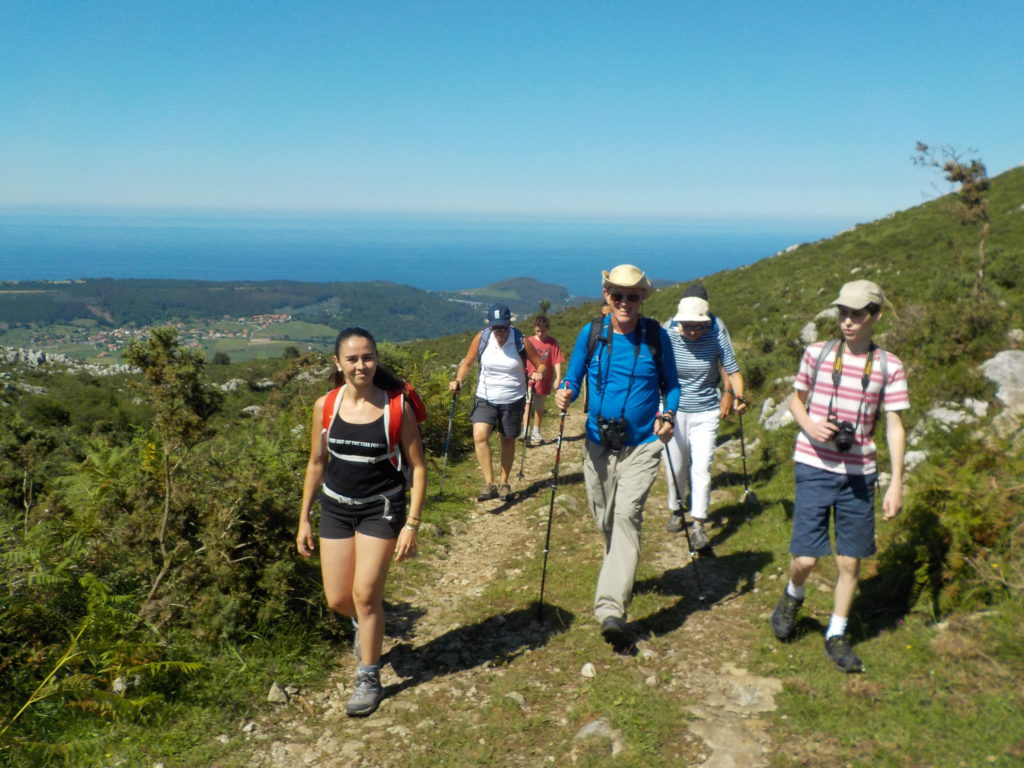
(840, 389)
(549, 351)
(628, 371)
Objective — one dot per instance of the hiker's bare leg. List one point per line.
(508, 456)
(373, 557)
(481, 432)
(846, 584)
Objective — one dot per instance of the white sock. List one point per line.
(836, 626)
(797, 593)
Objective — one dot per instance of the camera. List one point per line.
(844, 438)
(612, 432)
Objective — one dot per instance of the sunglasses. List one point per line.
(693, 327)
(633, 298)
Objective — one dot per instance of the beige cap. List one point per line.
(859, 293)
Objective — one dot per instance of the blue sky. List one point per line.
(725, 110)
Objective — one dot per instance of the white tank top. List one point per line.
(502, 377)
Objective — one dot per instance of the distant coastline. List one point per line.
(428, 253)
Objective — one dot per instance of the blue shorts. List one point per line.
(508, 418)
(818, 493)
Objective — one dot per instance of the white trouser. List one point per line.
(692, 447)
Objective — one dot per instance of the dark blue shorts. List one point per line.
(507, 418)
(818, 493)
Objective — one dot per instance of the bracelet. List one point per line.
(412, 525)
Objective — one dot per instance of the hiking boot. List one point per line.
(367, 696)
(488, 491)
(698, 538)
(505, 492)
(784, 615)
(675, 522)
(838, 649)
(614, 632)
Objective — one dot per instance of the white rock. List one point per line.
(913, 458)
(588, 670)
(809, 333)
(1006, 370)
(773, 416)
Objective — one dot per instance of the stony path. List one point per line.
(703, 663)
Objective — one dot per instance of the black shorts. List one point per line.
(508, 418)
(340, 522)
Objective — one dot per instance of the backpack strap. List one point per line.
(828, 347)
(517, 336)
(393, 426)
(331, 405)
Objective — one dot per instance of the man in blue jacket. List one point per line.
(629, 368)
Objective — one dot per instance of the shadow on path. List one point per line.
(496, 640)
(722, 578)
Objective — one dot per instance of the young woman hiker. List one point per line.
(500, 398)
(356, 472)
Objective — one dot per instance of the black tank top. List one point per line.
(351, 477)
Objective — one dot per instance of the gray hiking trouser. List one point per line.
(617, 485)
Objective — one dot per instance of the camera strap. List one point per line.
(865, 379)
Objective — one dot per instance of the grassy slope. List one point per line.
(932, 697)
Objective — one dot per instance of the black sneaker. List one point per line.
(614, 632)
(784, 615)
(838, 649)
(675, 522)
(488, 491)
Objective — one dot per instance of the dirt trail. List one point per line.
(703, 663)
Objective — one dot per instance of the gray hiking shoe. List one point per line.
(784, 615)
(367, 695)
(488, 491)
(839, 650)
(505, 492)
(675, 522)
(698, 537)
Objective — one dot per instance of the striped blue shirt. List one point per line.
(697, 365)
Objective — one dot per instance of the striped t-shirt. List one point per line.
(860, 460)
(697, 366)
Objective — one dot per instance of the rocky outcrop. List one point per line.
(1006, 371)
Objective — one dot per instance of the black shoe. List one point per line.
(614, 632)
(707, 552)
(838, 649)
(675, 522)
(784, 615)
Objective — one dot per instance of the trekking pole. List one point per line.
(749, 497)
(526, 429)
(551, 512)
(447, 441)
(686, 530)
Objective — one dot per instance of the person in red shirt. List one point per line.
(549, 351)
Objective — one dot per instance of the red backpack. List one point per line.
(392, 416)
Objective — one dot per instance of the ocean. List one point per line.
(432, 253)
